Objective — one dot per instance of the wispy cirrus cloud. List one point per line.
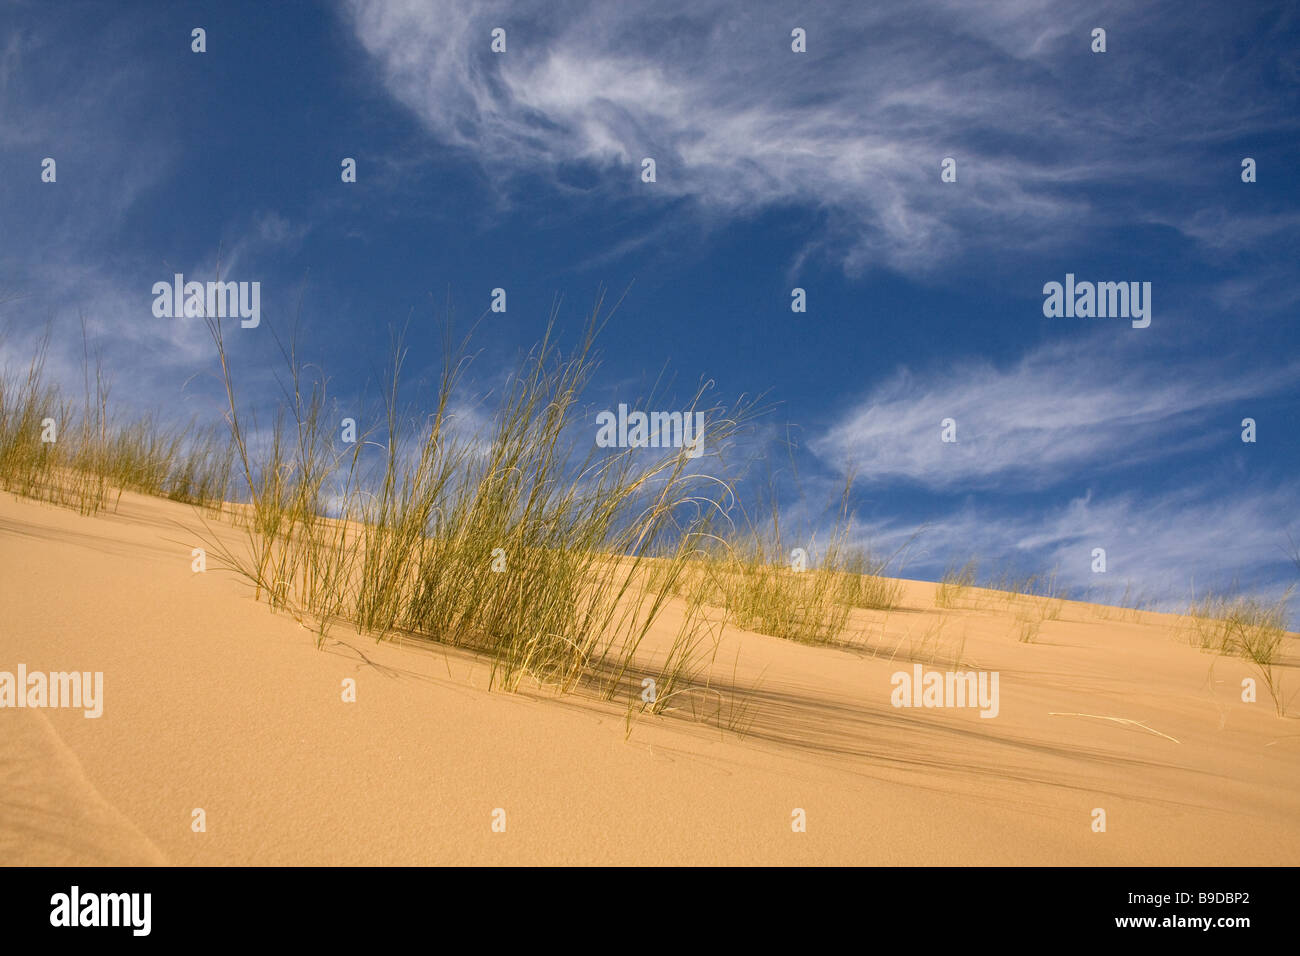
(1163, 548)
(855, 128)
(1062, 410)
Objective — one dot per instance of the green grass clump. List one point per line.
(795, 589)
(76, 457)
(866, 583)
(521, 541)
(1244, 626)
(27, 407)
(763, 590)
(1236, 625)
(955, 583)
(789, 588)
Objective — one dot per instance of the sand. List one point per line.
(214, 703)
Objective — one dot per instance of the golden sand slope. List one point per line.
(213, 702)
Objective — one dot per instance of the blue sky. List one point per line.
(775, 170)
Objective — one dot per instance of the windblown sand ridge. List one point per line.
(211, 701)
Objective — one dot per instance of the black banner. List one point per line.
(142, 906)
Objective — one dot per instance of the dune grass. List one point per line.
(764, 591)
(1031, 600)
(78, 457)
(867, 582)
(1028, 627)
(1244, 626)
(935, 644)
(955, 583)
(1129, 607)
(522, 541)
(796, 588)
(1034, 601)
(517, 539)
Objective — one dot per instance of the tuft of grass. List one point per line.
(867, 584)
(1050, 599)
(1244, 626)
(29, 466)
(956, 581)
(933, 646)
(1129, 607)
(523, 541)
(1029, 627)
(763, 593)
(800, 593)
(77, 457)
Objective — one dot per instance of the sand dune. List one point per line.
(212, 702)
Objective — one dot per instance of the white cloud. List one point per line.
(1064, 407)
(1167, 548)
(855, 128)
